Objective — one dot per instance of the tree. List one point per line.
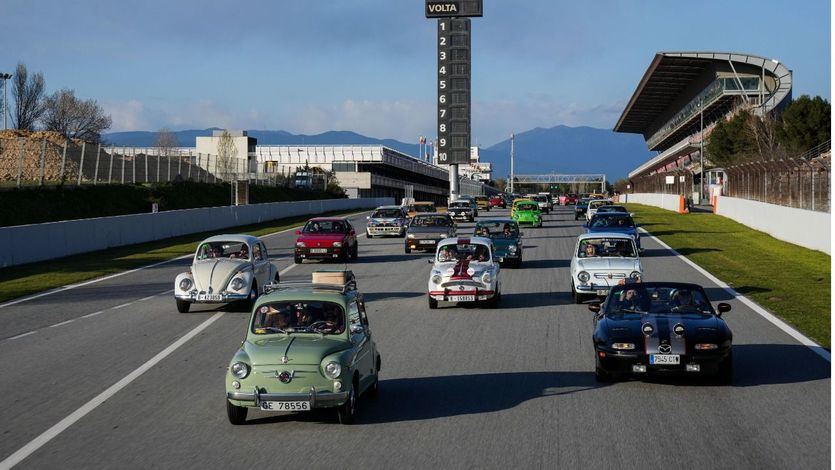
(226, 155)
(804, 124)
(73, 117)
(501, 184)
(620, 185)
(729, 142)
(28, 95)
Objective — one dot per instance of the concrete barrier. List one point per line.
(808, 229)
(37, 242)
(671, 202)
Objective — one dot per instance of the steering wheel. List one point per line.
(322, 324)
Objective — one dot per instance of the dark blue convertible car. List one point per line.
(617, 222)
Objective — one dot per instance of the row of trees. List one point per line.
(803, 124)
(61, 111)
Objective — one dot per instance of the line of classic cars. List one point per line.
(308, 345)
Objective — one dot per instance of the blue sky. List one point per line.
(369, 65)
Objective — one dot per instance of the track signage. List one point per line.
(454, 8)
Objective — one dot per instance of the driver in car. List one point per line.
(683, 301)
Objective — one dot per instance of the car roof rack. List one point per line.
(286, 285)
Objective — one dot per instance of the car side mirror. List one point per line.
(298, 232)
(723, 307)
(357, 329)
(595, 307)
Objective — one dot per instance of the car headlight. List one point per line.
(333, 370)
(623, 346)
(486, 277)
(300, 245)
(635, 275)
(239, 370)
(237, 284)
(512, 249)
(185, 284)
(443, 235)
(583, 276)
(411, 235)
(337, 244)
(436, 279)
(706, 346)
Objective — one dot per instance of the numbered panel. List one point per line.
(453, 90)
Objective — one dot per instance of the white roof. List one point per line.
(604, 235)
(454, 240)
(235, 238)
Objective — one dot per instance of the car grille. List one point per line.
(609, 275)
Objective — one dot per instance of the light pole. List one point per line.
(4, 77)
(512, 157)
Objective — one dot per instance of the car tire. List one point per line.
(347, 412)
(355, 253)
(602, 376)
(297, 260)
(369, 235)
(576, 217)
(578, 297)
(236, 414)
(407, 250)
(433, 304)
(251, 298)
(183, 306)
(725, 373)
(495, 301)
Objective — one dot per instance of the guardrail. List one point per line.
(71, 237)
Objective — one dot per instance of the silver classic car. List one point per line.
(387, 221)
(464, 270)
(226, 268)
(426, 230)
(601, 261)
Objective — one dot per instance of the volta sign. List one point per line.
(454, 8)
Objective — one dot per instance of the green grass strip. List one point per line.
(27, 279)
(791, 281)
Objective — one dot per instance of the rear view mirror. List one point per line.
(594, 307)
(723, 307)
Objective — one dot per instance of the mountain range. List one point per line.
(559, 149)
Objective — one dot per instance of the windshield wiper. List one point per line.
(274, 328)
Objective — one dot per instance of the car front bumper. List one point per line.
(464, 289)
(378, 231)
(329, 253)
(461, 215)
(425, 244)
(317, 399)
(623, 362)
(225, 297)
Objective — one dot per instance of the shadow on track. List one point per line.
(531, 300)
(376, 296)
(545, 263)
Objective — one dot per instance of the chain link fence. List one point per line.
(42, 159)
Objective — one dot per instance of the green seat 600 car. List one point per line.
(506, 238)
(308, 345)
(527, 212)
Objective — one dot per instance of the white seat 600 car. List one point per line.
(602, 260)
(226, 268)
(464, 270)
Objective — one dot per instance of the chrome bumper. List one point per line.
(385, 230)
(316, 398)
(225, 298)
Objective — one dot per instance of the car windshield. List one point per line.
(386, 214)
(636, 298)
(235, 250)
(619, 209)
(497, 230)
(464, 251)
(611, 221)
(325, 226)
(460, 204)
(424, 208)
(527, 206)
(596, 204)
(299, 317)
(540, 198)
(431, 221)
(583, 202)
(606, 248)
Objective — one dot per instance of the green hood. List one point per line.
(525, 215)
(301, 349)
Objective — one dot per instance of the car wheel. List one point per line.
(601, 374)
(251, 298)
(297, 260)
(407, 250)
(236, 414)
(355, 254)
(369, 235)
(433, 304)
(183, 306)
(494, 302)
(575, 217)
(725, 374)
(578, 297)
(347, 412)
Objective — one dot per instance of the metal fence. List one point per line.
(801, 182)
(28, 161)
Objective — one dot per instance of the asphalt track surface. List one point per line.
(460, 387)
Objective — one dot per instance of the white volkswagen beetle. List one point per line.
(603, 260)
(464, 271)
(226, 268)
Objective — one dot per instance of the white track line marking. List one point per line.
(788, 329)
(22, 335)
(61, 324)
(123, 305)
(92, 314)
(91, 405)
(111, 276)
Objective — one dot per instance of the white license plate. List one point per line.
(462, 298)
(318, 250)
(285, 405)
(209, 297)
(673, 359)
(602, 291)
(427, 242)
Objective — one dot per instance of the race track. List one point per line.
(460, 387)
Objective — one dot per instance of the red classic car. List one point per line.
(497, 201)
(326, 238)
(567, 199)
